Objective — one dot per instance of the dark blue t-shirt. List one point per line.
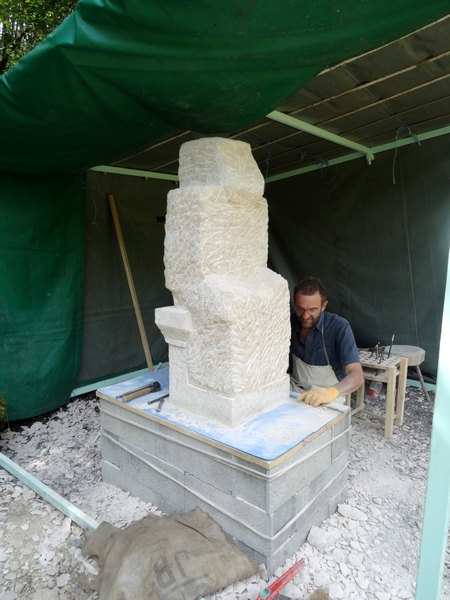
(339, 342)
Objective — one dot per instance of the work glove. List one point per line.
(318, 395)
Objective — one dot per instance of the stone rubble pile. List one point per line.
(368, 550)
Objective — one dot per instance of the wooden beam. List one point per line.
(129, 275)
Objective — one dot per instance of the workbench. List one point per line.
(392, 371)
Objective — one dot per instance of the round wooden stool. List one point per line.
(415, 357)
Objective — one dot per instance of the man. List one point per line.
(325, 360)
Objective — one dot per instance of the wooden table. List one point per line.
(387, 371)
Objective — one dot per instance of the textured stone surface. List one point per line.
(229, 331)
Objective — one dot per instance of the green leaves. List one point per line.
(24, 23)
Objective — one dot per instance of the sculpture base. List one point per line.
(265, 482)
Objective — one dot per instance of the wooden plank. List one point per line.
(373, 415)
(390, 403)
(422, 383)
(365, 422)
(129, 275)
(401, 392)
(372, 375)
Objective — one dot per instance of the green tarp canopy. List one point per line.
(117, 76)
(113, 79)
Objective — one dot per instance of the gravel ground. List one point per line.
(367, 550)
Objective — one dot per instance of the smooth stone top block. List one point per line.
(219, 162)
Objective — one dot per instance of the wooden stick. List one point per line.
(401, 392)
(134, 298)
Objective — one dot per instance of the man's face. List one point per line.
(308, 309)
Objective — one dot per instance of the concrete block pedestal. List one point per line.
(265, 482)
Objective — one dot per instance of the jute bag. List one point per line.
(176, 557)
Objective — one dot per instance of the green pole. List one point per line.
(437, 502)
(66, 507)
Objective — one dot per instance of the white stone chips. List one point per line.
(387, 483)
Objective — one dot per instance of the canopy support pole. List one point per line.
(437, 503)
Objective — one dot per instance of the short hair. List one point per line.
(309, 286)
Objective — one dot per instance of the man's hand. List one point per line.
(317, 396)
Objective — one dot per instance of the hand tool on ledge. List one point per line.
(148, 388)
(160, 400)
(272, 590)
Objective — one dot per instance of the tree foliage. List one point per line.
(24, 23)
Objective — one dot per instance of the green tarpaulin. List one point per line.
(111, 80)
(41, 299)
(118, 75)
(381, 249)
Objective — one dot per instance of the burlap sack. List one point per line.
(177, 557)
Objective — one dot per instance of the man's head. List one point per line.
(310, 300)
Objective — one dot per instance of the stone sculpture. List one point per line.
(228, 331)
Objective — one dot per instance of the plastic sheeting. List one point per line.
(41, 275)
(111, 341)
(380, 249)
(117, 76)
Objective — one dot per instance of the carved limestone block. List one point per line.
(229, 331)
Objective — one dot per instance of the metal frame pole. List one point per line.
(437, 503)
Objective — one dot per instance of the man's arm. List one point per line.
(347, 350)
(352, 381)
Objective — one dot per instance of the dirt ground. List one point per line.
(372, 552)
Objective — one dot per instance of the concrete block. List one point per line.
(319, 509)
(290, 543)
(255, 555)
(229, 524)
(307, 449)
(137, 430)
(251, 489)
(298, 477)
(339, 498)
(243, 513)
(340, 445)
(130, 484)
(110, 450)
(343, 424)
(196, 463)
(166, 480)
(314, 487)
(150, 466)
(313, 514)
(291, 476)
(124, 413)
